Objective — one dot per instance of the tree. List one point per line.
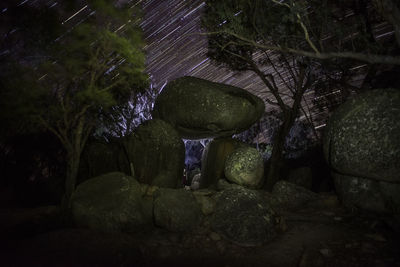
(93, 67)
(288, 43)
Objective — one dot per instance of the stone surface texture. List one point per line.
(243, 217)
(157, 154)
(198, 108)
(245, 166)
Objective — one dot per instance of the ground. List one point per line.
(316, 235)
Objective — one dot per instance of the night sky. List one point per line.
(174, 49)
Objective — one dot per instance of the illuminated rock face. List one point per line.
(214, 158)
(245, 166)
(198, 108)
(362, 146)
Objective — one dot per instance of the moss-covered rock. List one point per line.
(213, 160)
(111, 203)
(245, 166)
(176, 210)
(200, 109)
(362, 138)
(157, 154)
(243, 217)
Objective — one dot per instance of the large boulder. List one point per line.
(245, 166)
(362, 146)
(111, 203)
(362, 138)
(157, 154)
(176, 210)
(213, 160)
(201, 109)
(243, 217)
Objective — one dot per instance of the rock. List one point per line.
(291, 196)
(158, 154)
(367, 194)
(195, 184)
(201, 109)
(301, 176)
(213, 160)
(245, 166)
(214, 236)
(111, 203)
(176, 210)
(362, 146)
(206, 203)
(362, 138)
(242, 217)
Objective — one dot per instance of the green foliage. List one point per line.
(89, 69)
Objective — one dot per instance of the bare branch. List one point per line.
(369, 58)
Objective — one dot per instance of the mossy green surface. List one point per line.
(245, 166)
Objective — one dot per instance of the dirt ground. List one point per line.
(325, 235)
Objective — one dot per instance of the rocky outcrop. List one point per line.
(213, 160)
(243, 217)
(111, 203)
(199, 108)
(245, 166)
(362, 146)
(157, 154)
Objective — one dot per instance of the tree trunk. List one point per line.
(275, 162)
(71, 177)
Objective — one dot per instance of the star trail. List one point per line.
(175, 49)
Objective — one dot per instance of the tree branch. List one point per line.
(369, 58)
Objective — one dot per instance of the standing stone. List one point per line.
(199, 108)
(213, 160)
(362, 146)
(245, 166)
(158, 154)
